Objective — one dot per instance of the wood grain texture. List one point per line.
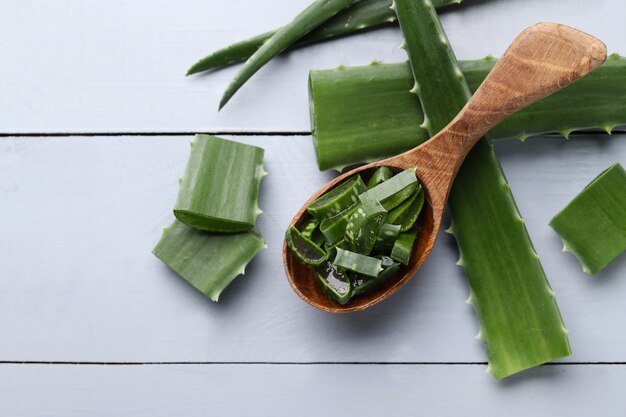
(540, 61)
(119, 65)
(79, 217)
(266, 390)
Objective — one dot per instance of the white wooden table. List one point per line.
(95, 119)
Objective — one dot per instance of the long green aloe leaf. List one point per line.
(219, 191)
(593, 225)
(208, 261)
(359, 16)
(360, 114)
(519, 319)
(314, 15)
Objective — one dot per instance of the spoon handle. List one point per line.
(542, 59)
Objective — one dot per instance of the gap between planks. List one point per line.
(115, 134)
(616, 131)
(95, 363)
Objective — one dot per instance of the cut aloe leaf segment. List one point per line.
(309, 228)
(403, 247)
(219, 191)
(311, 231)
(338, 198)
(593, 225)
(406, 214)
(386, 238)
(208, 261)
(393, 191)
(520, 322)
(381, 175)
(335, 283)
(364, 225)
(334, 228)
(362, 285)
(331, 250)
(359, 237)
(305, 250)
(355, 262)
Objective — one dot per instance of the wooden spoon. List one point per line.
(540, 61)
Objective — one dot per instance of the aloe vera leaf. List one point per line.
(362, 114)
(520, 322)
(359, 16)
(597, 101)
(208, 261)
(364, 225)
(403, 247)
(343, 136)
(219, 191)
(396, 212)
(593, 225)
(334, 228)
(309, 228)
(335, 283)
(381, 175)
(237, 52)
(355, 262)
(406, 214)
(312, 232)
(304, 249)
(331, 250)
(386, 238)
(393, 191)
(337, 199)
(362, 284)
(317, 13)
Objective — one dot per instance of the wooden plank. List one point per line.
(238, 390)
(118, 65)
(79, 217)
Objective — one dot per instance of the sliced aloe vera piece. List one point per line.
(363, 114)
(519, 319)
(334, 228)
(364, 225)
(363, 285)
(331, 250)
(381, 175)
(219, 191)
(403, 247)
(335, 283)
(317, 13)
(593, 225)
(355, 262)
(393, 191)
(399, 211)
(386, 238)
(406, 214)
(337, 199)
(304, 249)
(309, 228)
(359, 16)
(208, 261)
(312, 232)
